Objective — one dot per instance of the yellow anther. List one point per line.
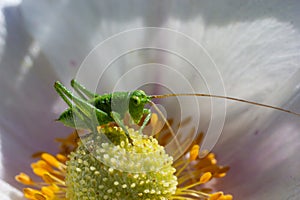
(205, 177)
(213, 161)
(39, 171)
(210, 168)
(49, 178)
(54, 187)
(220, 175)
(226, 197)
(37, 154)
(61, 158)
(39, 196)
(42, 164)
(51, 160)
(216, 196)
(48, 191)
(223, 169)
(30, 193)
(99, 129)
(24, 178)
(154, 119)
(211, 157)
(194, 152)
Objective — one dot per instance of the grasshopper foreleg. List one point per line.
(146, 120)
(117, 118)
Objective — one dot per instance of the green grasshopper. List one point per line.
(91, 110)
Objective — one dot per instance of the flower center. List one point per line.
(119, 170)
(105, 166)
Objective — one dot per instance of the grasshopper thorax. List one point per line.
(138, 100)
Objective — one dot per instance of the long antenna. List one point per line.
(224, 97)
(163, 117)
(168, 125)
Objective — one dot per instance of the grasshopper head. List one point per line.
(138, 99)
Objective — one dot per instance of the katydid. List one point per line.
(90, 109)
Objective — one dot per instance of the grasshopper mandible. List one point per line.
(91, 109)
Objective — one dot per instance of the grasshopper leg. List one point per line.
(96, 116)
(146, 120)
(117, 118)
(81, 90)
(82, 105)
(60, 89)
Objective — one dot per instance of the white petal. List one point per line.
(9, 192)
(2, 32)
(264, 162)
(27, 97)
(252, 44)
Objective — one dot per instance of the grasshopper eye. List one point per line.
(136, 100)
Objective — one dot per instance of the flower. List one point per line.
(255, 45)
(125, 171)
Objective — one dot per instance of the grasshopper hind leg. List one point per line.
(82, 91)
(87, 112)
(61, 91)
